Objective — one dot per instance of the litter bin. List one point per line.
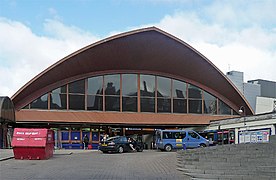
(33, 143)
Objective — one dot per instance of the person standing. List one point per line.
(85, 141)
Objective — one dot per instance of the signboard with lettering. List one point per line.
(254, 136)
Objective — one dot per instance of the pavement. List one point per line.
(6, 154)
(92, 164)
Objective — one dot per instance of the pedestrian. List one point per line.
(85, 141)
(105, 136)
(131, 144)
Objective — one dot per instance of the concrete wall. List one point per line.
(237, 78)
(268, 88)
(265, 105)
(250, 92)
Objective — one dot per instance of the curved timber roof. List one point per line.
(149, 50)
(7, 113)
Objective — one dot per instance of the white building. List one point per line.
(265, 105)
(261, 94)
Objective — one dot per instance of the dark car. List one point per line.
(120, 144)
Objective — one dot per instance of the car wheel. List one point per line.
(120, 149)
(168, 148)
(105, 152)
(202, 145)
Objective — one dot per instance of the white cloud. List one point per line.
(242, 13)
(250, 49)
(255, 63)
(23, 54)
(239, 34)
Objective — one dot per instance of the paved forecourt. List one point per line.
(94, 165)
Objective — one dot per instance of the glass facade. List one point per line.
(129, 92)
(112, 92)
(40, 103)
(147, 93)
(95, 93)
(179, 93)
(132, 93)
(195, 99)
(163, 95)
(209, 103)
(58, 98)
(224, 108)
(77, 95)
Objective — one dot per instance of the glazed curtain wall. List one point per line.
(131, 93)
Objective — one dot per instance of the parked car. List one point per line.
(179, 139)
(120, 144)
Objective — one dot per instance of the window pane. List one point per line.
(163, 105)
(26, 107)
(167, 135)
(194, 92)
(193, 135)
(112, 84)
(60, 90)
(77, 87)
(76, 102)
(224, 108)
(180, 106)
(163, 87)
(209, 103)
(195, 106)
(112, 103)
(178, 135)
(94, 102)
(130, 104)
(235, 113)
(95, 85)
(210, 107)
(129, 85)
(58, 101)
(208, 96)
(147, 105)
(40, 103)
(147, 85)
(179, 89)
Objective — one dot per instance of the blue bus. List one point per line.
(166, 140)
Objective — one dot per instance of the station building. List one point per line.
(130, 83)
(7, 121)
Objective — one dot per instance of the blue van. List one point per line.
(179, 139)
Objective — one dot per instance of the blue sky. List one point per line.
(96, 16)
(235, 35)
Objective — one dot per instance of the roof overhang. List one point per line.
(114, 118)
(148, 50)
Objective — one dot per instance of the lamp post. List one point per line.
(242, 113)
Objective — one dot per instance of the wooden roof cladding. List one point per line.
(115, 118)
(147, 50)
(7, 113)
